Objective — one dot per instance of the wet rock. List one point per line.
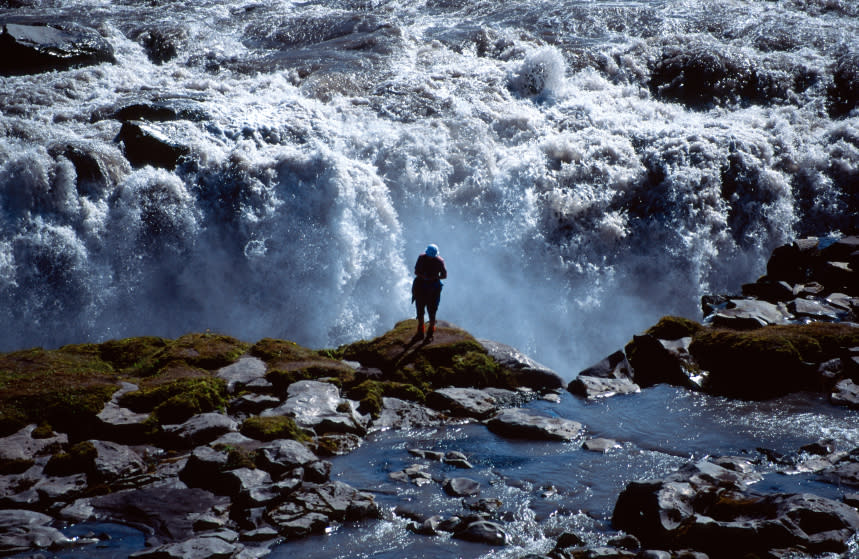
(840, 277)
(814, 310)
(526, 371)
(203, 547)
(338, 444)
(79, 511)
(483, 531)
(794, 263)
(746, 314)
(822, 447)
(615, 366)
(240, 373)
(297, 524)
(597, 387)
(467, 402)
(33, 49)
(427, 454)
(402, 414)
(416, 473)
(61, 489)
(523, 423)
(600, 445)
(252, 404)
(146, 145)
(283, 456)
(311, 508)
(24, 530)
(264, 534)
(114, 461)
(709, 508)
(165, 514)
(457, 459)
(201, 429)
(654, 363)
(120, 423)
(768, 290)
(318, 406)
(461, 487)
(845, 393)
(238, 483)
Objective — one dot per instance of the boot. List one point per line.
(431, 330)
(419, 335)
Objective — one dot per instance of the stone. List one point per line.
(466, 402)
(457, 459)
(243, 371)
(814, 310)
(311, 508)
(167, 514)
(33, 49)
(523, 423)
(840, 277)
(427, 454)
(252, 404)
(201, 429)
(318, 406)
(845, 393)
(840, 250)
(402, 414)
(204, 468)
(114, 461)
(144, 144)
(24, 530)
(768, 290)
(239, 482)
(22, 449)
(284, 455)
(298, 526)
(483, 531)
(263, 534)
(597, 387)
(79, 511)
(461, 487)
(745, 314)
(654, 363)
(709, 508)
(120, 423)
(600, 445)
(338, 444)
(615, 366)
(202, 547)
(161, 111)
(526, 371)
(64, 489)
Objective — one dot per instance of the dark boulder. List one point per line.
(284, 456)
(654, 363)
(159, 111)
(615, 366)
(145, 145)
(461, 487)
(482, 531)
(597, 387)
(794, 263)
(204, 468)
(33, 49)
(768, 290)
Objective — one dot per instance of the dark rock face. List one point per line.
(707, 507)
(526, 371)
(145, 145)
(33, 49)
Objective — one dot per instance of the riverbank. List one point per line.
(213, 447)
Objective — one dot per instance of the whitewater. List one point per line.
(584, 166)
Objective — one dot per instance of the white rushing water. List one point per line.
(578, 186)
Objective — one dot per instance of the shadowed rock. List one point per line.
(22, 530)
(526, 371)
(146, 145)
(32, 49)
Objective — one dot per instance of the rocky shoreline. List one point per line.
(217, 448)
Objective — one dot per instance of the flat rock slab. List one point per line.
(245, 370)
(201, 429)
(120, 423)
(23, 530)
(22, 446)
(845, 393)
(587, 386)
(523, 423)
(600, 445)
(467, 402)
(204, 547)
(32, 49)
(402, 414)
(316, 405)
(526, 371)
(115, 461)
(749, 313)
(281, 456)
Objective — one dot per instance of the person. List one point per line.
(426, 288)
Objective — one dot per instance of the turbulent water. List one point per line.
(584, 166)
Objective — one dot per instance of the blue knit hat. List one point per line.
(432, 250)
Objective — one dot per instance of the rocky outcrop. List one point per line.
(33, 49)
(709, 506)
(526, 371)
(144, 144)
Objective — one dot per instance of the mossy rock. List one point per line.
(369, 394)
(135, 353)
(178, 400)
(769, 361)
(288, 362)
(80, 458)
(273, 351)
(674, 328)
(67, 386)
(272, 428)
(453, 357)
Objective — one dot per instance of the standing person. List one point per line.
(426, 288)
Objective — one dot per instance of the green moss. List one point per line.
(15, 466)
(272, 428)
(208, 350)
(78, 459)
(139, 354)
(674, 328)
(369, 394)
(272, 350)
(769, 361)
(43, 431)
(178, 400)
